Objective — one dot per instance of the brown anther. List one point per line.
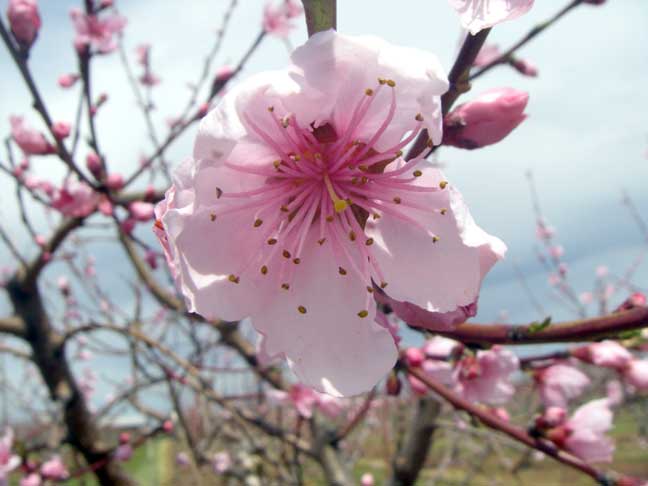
(284, 208)
(418, 117)
(296, 157)
(429, 144)
(296, 261)
(264, 270)
(258, 222)
(399, 153)
(276, 164)
(391, 83)
(370, 289)
(272, 241)
(301, 309)
(285, 286)
(369, 91)
(363, 313)
(397, 200)
(417, 173)
(321, 241)
(285, 122)
(364, 179)
(233, 278)
(363, 168)
(443, 211)
(352, 235)
(383, 285)
(329, 218)
(354, 181)
(443, 184)
(286, 254)
(270, 109)
(435, 239)
(219, 192)
(382, 80)
(342, 271)
(212, 216)
(369, 241)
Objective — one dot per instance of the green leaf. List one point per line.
(539, 326)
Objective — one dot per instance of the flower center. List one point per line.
(326, 179)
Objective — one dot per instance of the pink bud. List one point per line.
(202, 110)
(417, 385)
(124, 452)
(224, 73)
(40, 241)
(553, 417)
(414, 357)
(486, 120)
(128, 225)
(67, 80)
(61, 129)
(93, 163)
(635, 300)
(141, 211)
(151, 259)
(24, 21)
(367, 479)
(124, 438)
(105, 206)
(167, 426)
(115, 181)
(524, 67)
(106, 3)
(636, 374)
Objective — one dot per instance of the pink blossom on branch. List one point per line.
(24, 20)
(485, 377)
(54, 469)
(560, 383)
(277, 18)
(270, 218)
(30, 141)
(75, 199)
(486, 120)
(96, 33)
(8, 461)
(68, 80)
(476, 15)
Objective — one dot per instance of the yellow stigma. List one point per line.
(338, 204)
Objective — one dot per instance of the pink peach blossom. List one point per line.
(115, 181)
(8, 461)
(123, 452)
(586, 429)
(94, 32)
(221, 462)
(141, 211)
(277, 18)
(30, 141)
(24, 20)
(61, 129)
(560, 383)
(609, 354)
(305, 400)
(367, 479)
(75, 199)
(54, 469)
(485, 377)
(486, 120)
(637, 299)
(262, 222)
(476, 15)
(614, 392)
(414, 357)
(636, 374)
(439, 347)
(32, 479)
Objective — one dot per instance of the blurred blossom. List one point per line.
(24, 20)
(476, 15)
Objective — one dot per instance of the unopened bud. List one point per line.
(24, 21)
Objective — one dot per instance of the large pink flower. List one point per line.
(75, 199)
(586, 432)
(297, 202)
(95, 32)
(480, 14)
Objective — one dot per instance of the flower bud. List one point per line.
(167, 426)
(24, 21)
(67, 80)
(115, 181)
(61, 129)
(414, 357)
(93, 163)
(141, 211)
(486, 120)
(524, 67)
(635, 300)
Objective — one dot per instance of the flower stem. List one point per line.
(320, 15)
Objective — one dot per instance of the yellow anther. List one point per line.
(338, 204)
(352, 235)
(219, 192)
(285, 286)
(418, 117)
(382, 80)
(417, 173)
(264, 270)
(321, 241)
(276, 164)
(363, 313)
(301, 309)
(272, 241)
(369, 91)
(443, 184)
(391, 83)
(435, 239)
(286, 254)
(397, 200)
(233, 278)
(443, 211)
(369, 241)
(342, 271)
(296, 157)
(296, 261)
(375, 216)
(212, 216)
(258, 222)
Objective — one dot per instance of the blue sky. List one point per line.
(585, 139)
